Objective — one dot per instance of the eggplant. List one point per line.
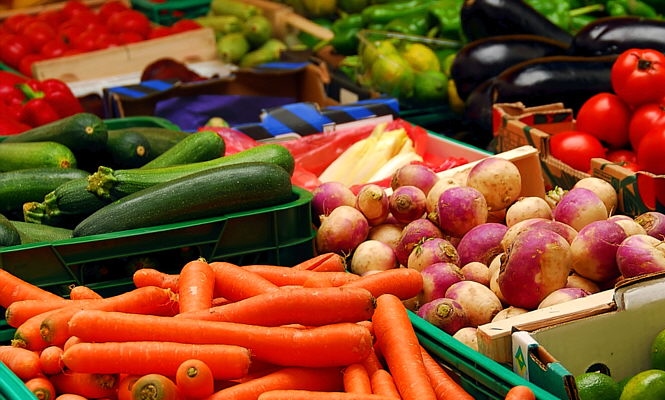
(613, 35)
(484, 18)
(482, 59)
(570, 80)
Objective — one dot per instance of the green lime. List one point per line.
(421, 57)
(370, 51)
(257, 29)
(658, 351)
(645, 385)
(430, 88)
(597, 386)
(391, 75)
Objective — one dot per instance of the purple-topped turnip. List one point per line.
(578, 207)
(594, 250)
(432, 200)
(415, 174)
(509, 312)
(413, 233)
(460, 209)
(481, 243)
(498, 179)
(562, 295)
(468, 336)
(330, 195)
(653, 223)
(341, 231)
(603, 189)
(446, 314)
(640, 254)
(479, 302)
(629, 225)
(372, 255)
(526, 208)
(431, 251)
(407, 203)
(437, 278)
(576, 281)
(477, 272)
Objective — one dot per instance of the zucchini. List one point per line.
(114, 184)
(25, 185)
(208, 193)
(127, 149)
(9, 235)
(15, 156)
(80, 132)
(35, 233)
(196, 147)
(161, 139)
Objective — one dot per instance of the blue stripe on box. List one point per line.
(157, 85)
(302, 118)
(143, 89)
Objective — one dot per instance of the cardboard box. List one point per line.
(516, 125)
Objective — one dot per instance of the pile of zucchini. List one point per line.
(78, 177)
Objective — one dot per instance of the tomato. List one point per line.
(643, 119)
(159, 31)
(15, 23)
(576, 149)
(605, 116)
(111, 7)
(638, 76)
(626, 158)
(184, 25)
(52, 17)
(38, 33)
(54, 48)
(25, 66)
(129, 21)
(73, 8)
(650, 151)
(13, 48)
(129, 37)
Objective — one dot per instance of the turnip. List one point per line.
(578, 207)
(432, 200)
(498, 179)
(372, 255)
(509, 312)
(639, 255)
(628, 224)
(468, 336)
(387, 233)
(526, 208)
(341, 231)
(562, 295)
(576, 281)
(430, 251)
(477, 272)
(653, 223)
(481, 243)
(568, 232)
(479, 302)
(446, 314)
(437, 278)
(330, 195)
(407, 203)
(603, 189)
(418, 175)
(413, 233)
(517, 228)
(372, 201)
(593, 251)
(460, 209)
(536, 264)
(494, 269)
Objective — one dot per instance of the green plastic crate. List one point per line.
(168, 12)
(140, 122)
(11, 387)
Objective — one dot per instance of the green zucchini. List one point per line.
(127, 149)
(80, 132)
(114, 184)
(161, 139)
(9, 235)
(25, 185)
(15, 156)
(35, 233)
(196, 147)
(207, 193)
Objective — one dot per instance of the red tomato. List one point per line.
(129, 37)
(643, 119)
(54, 48)
(51, 17)
(183, 25)
(638, 76)
(129, 21)
(159, 31)
(72, 8)
(650, 151)
(25, 66)
(13, 48)
(605, 116)
(626, 158)
(576, 148)
(38, 33)
(14, 23)
(111, 7)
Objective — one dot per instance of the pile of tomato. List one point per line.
(626, 125)
(76, 28)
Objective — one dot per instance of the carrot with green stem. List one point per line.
(328, 345)
(295, 394)
(196, 286)
(400, 348)
(445, 387)
(41, 387)
(356, 379)
(403, 283)
(155, 386)
(289, 305)
(323, 262)
(194, 378)
(93, 386)
(22, 362)
(13, 288)
(382, 383)
(27, 334)
(153, 277)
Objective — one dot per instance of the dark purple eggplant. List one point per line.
(613, 35)
(482, 59)
(484, 18)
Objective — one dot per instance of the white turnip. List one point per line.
(460, 209)
(498, 179)
(437, 278)
(509, 312)
(372, 255)
(413, 233)
(432, 200)
(576, 281)
(628, 224)
(494, 269)
(639, 255)
(476, 271)
(481, 243)
(603, 189)
(468, 336)
(430, 251)
(446, 314)
(593, 251)
(578, 207)
(341, 231)
(387, 233)
(416, 174)
(653, 223)
(372, 201)
(562, 295)
(407, 203)
(568, 232)
(527, 207)
(479, 302)
(330, 195)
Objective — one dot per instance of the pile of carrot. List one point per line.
(217, 330)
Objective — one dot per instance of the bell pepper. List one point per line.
(38, 112)
(9, 123)
(630, 7)
(50, 97)
(345, 30)
(418, 24)
(562, 13)
(447, 14)
(384, 13)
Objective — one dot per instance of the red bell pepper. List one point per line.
(55, 93)
(9, 124)
(38, 112)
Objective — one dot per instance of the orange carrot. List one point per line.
(356, 379)
(23, 363)
(283, 276)
(403, 283)
(70, 396)
(324, 379)
(20, 311)
(194, 378)
(520, 392)
(153, 277)
(323, 262)
(196, 286)
(287, 305)
(445, 387)
(155, 386)
(81, 292)
(383, 383)
(50, 360)
(313, 395)
(87, 385)
(400, 348)
(13, 288)
(329, 345)
(72, 340)
(236, 283)
(329, 279)
(41, 387)
(27, 334)
(139, 358)
(372, 362)
(125, 385)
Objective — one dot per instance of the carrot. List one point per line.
(383, 383)
(286, 305)
(84, 384)
(323, 262)
(400, 348)
(329, 345)
(72, 340)
(146, 300)
(155, 386)
(324, 379)
(329, 279)
(50, 360)
(356, 379)
(13, 288)
(70, 396)
(236, 283)
(125, 384)
(82, 292)
(372, 363)
(20, 311)
(27, 334)
(194, 378)
(41, 387)
(22, 362)
(154, 277)
(283, 276)
(140, 358)
(196, 286)
(403, 283)
(445, 387)
(520, 392)
(312, 395)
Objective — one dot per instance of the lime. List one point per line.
(658, 351)
(645, 385)
(373, 50)
(420, 56)
(430, 88)
(597, 386)
(391, 75)
(257, 29)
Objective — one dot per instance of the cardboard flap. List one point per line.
(639, 291)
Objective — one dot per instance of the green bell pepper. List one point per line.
(630, 7)
(345, 30)
(447, 14)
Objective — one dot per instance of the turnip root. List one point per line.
(413, 233)
(639, 255)
(437, 278)
(372, 255)
(407, 203)
(372, 201)
(481, 243)
(467, 336)
(446, 314)
(432, 200)
(603, 189)
(460, 209)
(498, 179)
(576, 281)
(578, 207)
(479, 302)
(330, 195)
(628, 224)
(509, 312)
(418, 175)
(494, 269)
(386, 233)
(593, 251)
(562, 295)
(566, 231)
(526, 208)
(653, 223)
(341, 231)
(536, 264)
(477, 272)
(431, 251)
(517, 228)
